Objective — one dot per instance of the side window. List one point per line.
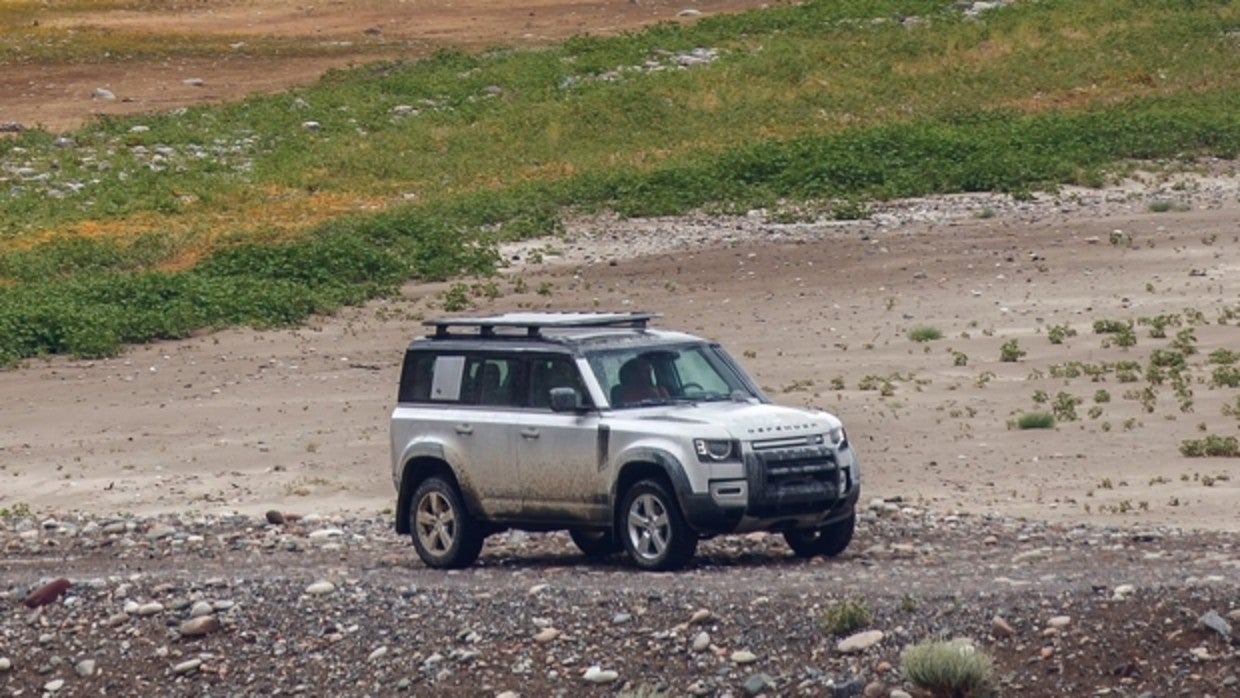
(491, 380)
(547, 372)
(415, 377)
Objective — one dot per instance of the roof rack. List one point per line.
(534, 323)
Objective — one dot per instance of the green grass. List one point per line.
(954, 669)
(924, 334)
(1036, 420)
(203, 219)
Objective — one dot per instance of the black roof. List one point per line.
(534, 323)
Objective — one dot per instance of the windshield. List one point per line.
(637, 376)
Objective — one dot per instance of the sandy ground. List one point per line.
(297, 419)
(61, 96)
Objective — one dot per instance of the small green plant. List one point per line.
(1040, 397)
(456, 298)
(19, 510)
(1101, 396)
(959, 358)
(983, 378)
(949, 669)
(1011, 351)
(1057, 333)
(837, 383)
(1185, 341)
(846, 616)
(1212, 445)
(1159, 323)
(1064, 406)
(1036, 420)
(924, 333)
(1225, 357)
(1110, 326)
(1225, 376)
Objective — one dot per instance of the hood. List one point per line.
(748, 421)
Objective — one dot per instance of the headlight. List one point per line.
(714, 449)
(837, 437)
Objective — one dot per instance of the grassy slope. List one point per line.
(242, 214)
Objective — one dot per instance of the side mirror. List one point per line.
(563, 400)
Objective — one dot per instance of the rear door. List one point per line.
(483, 423)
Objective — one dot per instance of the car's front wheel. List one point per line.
(654, 532)
(444, 534)
(830, 540)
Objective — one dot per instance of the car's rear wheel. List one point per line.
(829, 540)
(444, 534)
(654, 532)
(595, 542)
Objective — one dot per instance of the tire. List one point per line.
(594, 542)
(443, 532)
(830, 540)
(652, 529)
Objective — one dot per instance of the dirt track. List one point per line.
(60, 96)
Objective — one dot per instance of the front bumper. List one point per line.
(804, 486)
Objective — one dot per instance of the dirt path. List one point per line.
(61, 96)
(297, 419)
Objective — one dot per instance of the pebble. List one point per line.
(758, 683)
(85, 668)
(699, 616)
(202, 625)
(149, 609)
(5, 664)
(54, 685)
(546, 635)
(743, 657)
(1059, 622)
(320, 588)
(201, 608)
(1001, 628)
(187, 667)
(103, 93)
(701, 641)
(378, 653)
(859, 642)
(1217, 623)
(596, 674)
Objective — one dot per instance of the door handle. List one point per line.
(464, 429)
(529, 433)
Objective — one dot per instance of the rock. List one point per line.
(103, 93)
(508, 694)
(193, 82)
(11, 127)
(85, 668)
(690, 12)
(326, 533)
(897, 693)
(378, 653)
(597, 674)
(1001, 628)
(699, 616)
(202, 625)
(875, 689)
(189, 666)
(201, 608)
(744, 657)
(1217, 623)
(160, 533)
(758, 683)
(47, 593)
(621, 618)
(6, 664)
(859, 642)
(701, 641)
(275, 517)
(1123, 591)
(311, 125)
(54, 685)
(1059, 622)
(546, 635)
(848, 689)
(320, 588)
(149, 609)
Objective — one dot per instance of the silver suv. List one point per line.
(632, 438)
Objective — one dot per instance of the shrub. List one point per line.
(1011, 351)
(1058, 333)
(954, 669)
(1110, 326)
(1228, 376)
(924, 334)
(1036, 420)
(1224, 356)
(1212, 445)
(846, 616)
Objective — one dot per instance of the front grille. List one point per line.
(792, 480)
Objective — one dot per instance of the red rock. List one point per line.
(47, 593)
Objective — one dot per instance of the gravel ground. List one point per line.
(337, 606)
